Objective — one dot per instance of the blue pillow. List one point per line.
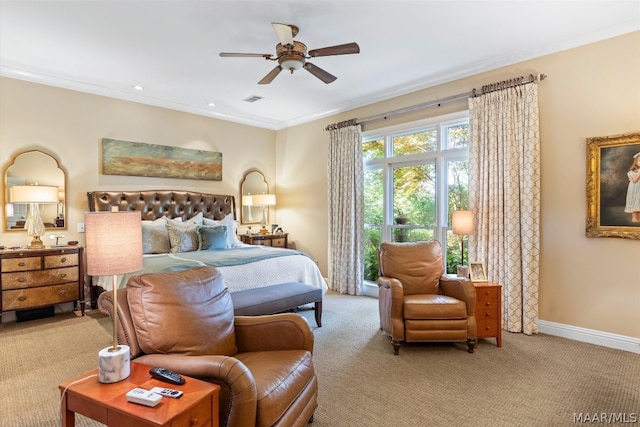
(212, 237)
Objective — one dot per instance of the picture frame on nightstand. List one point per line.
(478, 272)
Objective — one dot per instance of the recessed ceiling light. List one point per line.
(211, 104)
(138, 87)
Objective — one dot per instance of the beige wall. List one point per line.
(591, 91)
(70, 125)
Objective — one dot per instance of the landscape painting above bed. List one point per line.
(183, 230)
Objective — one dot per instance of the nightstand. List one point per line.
(489, 311)
(32, 278)
(278, 240)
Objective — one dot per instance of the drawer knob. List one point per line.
(487, 303)
(62, 292)
(22, 279)
(64, 259)
(487, 292)
(487, 314)
(22, 298)
(63, 275)
(486, 328)
(22, 263)
(193, 421)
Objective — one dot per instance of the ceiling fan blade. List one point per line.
(319, 73)
(342, 49)
(245, 55)
(284, 33)
(272, 75)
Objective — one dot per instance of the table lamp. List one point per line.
(114, 246)
(248, 202)
(264, 200)
(462, 226)
(34, 196)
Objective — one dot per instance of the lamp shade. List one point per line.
(462, 222)
(33, 194)
(113, 242)
(264, 200)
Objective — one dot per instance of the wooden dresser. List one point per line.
(278, 240)
(31, 278)
(489, 311)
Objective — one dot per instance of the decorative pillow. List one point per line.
(155, 238)
(232, 229)
(183, 236)
(212, 237)
(188, 312)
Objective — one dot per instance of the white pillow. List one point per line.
(197, 220)
(232, 229)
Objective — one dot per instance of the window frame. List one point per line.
(440, 157)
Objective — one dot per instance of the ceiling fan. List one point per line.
(292, 55)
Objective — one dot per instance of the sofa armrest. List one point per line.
(391, 306)
(462, 289)
(285, 331)
(239, 405)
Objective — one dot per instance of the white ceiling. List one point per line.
(171, 48)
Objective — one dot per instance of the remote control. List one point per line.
(166, 375)
(143, 397)
(167, 392)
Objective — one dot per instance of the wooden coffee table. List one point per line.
(107, 403)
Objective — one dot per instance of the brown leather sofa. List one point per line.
(184, 322)
(417, 302)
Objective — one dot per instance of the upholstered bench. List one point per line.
(276, 299)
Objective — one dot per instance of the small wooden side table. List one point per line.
(108, 404)
(489, 311)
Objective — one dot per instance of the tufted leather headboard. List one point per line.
(158, 203)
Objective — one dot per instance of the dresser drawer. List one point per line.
(486, 304)
(55, 261)
(37, 297)
(21, 264)
(279, 243)
(487, 292)
(487, 328)
(198, 416)
(486, 313)
(30, 279)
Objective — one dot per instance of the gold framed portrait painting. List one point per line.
(613, 186)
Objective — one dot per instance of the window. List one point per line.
(414, 177)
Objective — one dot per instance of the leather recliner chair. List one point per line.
(417, 302)
(184, 322)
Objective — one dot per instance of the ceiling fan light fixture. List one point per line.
(291, 64)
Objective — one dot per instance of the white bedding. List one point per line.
(292, 268)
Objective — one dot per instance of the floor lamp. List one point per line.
(462, 226)
(34, 196)
(114, 246)
(264, 200)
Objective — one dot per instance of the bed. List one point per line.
(174, 215)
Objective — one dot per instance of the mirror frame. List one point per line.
(5, 193)
(256, 213)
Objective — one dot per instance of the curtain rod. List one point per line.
(518, 81)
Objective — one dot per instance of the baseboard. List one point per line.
(605, 339)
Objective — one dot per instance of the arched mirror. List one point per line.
(34, 168)
(253, 183)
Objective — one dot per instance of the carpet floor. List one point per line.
(535, 380)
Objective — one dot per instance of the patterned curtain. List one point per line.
(504, 194)
(346, 211)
